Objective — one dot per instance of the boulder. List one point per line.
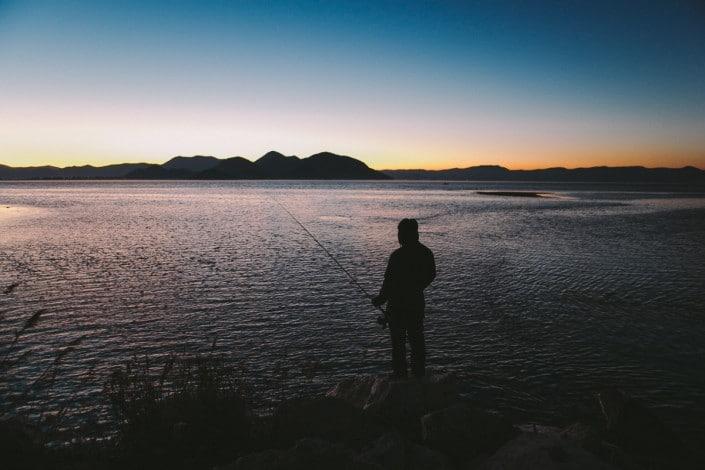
(422, 458)
(637, 431)
(354, 390)
(393, 452)
(20, 444)
(399, 402)
(437, 390)
(308, 454)
(388, 451)
(325, 418)
(18, 437)
(539, 429)
(583, 435)
(440, 390)
(589, 437)
(530, 451)
(463, 432)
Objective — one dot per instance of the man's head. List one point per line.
(408, 231)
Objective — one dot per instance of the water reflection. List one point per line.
(538, 301)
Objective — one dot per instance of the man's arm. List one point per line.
(384, 291)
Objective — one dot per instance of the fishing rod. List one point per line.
(382, 320)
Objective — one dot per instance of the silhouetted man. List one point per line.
(410, 269)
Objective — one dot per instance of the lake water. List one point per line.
(538, 303)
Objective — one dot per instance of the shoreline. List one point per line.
(368, 421)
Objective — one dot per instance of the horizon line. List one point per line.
(432, 169)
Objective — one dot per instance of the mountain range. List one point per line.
(631, 174)
(272, 165)
(326, 165)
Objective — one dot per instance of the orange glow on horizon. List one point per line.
(570, 160)
(525, 161)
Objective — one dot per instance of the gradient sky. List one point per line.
(400, 84)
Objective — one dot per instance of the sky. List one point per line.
(397, 84)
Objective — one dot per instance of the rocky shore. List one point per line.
(370, 422)
(379, 423)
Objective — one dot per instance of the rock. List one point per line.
(325, 418)
(19, 444)
(437, 390)
(464, 433)
(354, 390)
(422, 458)
(309, 454)
(389, 451)
(440, 390)
(530, 451)
(589, 437)
(399, 402)
(393, 452)
(583, 435)
(17, 436)
(636, 430)
(539, 429)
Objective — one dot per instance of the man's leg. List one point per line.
(418, 346)
(397, 331)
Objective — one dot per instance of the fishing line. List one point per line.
(330, 255)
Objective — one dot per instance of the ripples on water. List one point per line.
(539, 301)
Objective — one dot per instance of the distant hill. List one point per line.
(197, 163)
(71, 172)
(326, 165)
(277, 165)
(632, 174)
(272, 165)
(233, 168)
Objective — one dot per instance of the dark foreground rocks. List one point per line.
(323, 417)
(465, 433)
(19, 445)
(639, 434)
(399, 403)
(380, 423)
(305, 453)
(390, 451)
(374, 423)
(532, 451)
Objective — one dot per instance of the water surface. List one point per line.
(539, 302)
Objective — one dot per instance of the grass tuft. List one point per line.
(179, 411)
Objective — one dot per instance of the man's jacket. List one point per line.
(410, 269)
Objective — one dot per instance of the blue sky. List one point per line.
(397, 84)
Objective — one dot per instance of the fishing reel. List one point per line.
(383, 321)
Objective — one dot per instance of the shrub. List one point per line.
(187, 412)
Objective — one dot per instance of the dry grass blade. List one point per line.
(6, 364)
(32, 321)
(52, 369)
(168, 366)
(70, 346)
